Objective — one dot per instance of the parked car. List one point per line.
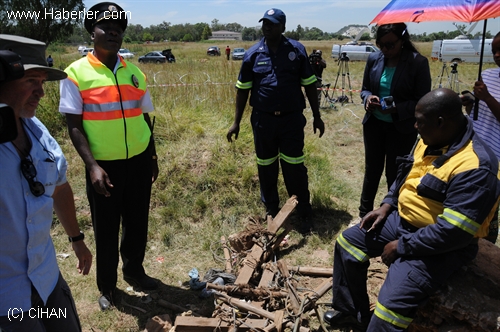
(169, 55)
(125, 53)
(461, 50)
(85, 51)
(213, 50)
(358, 52)
(155, 57)
(238, 53)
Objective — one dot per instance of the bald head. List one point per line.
(443, 102)
(439, 117)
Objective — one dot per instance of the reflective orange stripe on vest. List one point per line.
(110, 93)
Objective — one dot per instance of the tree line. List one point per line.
(188, 32)
(50, 29)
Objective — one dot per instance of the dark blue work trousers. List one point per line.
(128, 205)
(278, 136)
(409, 282)
(383, 144)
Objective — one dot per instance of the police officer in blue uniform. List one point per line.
(274, 70)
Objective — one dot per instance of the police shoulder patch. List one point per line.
(135, 81)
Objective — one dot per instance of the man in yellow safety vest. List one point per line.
(106, 104)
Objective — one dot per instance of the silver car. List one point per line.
(154, 57)
(238, 53)
(125, 53)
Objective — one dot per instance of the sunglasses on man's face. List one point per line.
(388, 46)
(29, 173)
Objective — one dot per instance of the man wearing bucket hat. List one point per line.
(106, 104)
(274, 70)
(33, 184)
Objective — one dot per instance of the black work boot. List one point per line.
(339, 319)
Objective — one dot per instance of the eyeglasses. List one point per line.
(29, 173)
(388, 46)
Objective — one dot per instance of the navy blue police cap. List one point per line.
(105, 11)
(274, 15)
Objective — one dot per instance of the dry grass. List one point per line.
(208, 187)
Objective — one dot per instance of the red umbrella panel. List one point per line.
(437, 10)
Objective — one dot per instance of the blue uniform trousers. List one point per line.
(409, 282)
(280, 138)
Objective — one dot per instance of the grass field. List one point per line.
(207, 187)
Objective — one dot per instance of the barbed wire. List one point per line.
(208, 81)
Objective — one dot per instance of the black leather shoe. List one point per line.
(272, 211)
(145, 282)
(305, 226)
(338, 319)
(105, 302)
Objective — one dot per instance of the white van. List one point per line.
(465, 50)
(335, 51)
(359, 52)
(436, 50)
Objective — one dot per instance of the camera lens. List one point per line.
(8, 128)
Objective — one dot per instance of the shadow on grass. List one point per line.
(166, 299)
(325, 221)
(330, 221)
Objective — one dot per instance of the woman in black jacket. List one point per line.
(399, 71)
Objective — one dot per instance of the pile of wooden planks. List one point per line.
(265, 296)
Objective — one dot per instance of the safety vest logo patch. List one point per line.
(135, 81)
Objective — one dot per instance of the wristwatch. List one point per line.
(76, 238)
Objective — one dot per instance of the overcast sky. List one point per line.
(327, 15)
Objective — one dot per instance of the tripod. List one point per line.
(344, 70)
(327, 101)
(452, 79)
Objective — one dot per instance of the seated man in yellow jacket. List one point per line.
(427, 226)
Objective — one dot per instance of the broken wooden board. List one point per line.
(202, 324)
(249, 265)
(282, 215)
(312, 271)
(290, 287)
(256, 310)
(253, 259)
(247, 292)
(227, 256)
(267, 278)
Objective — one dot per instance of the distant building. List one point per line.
(225, 35)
